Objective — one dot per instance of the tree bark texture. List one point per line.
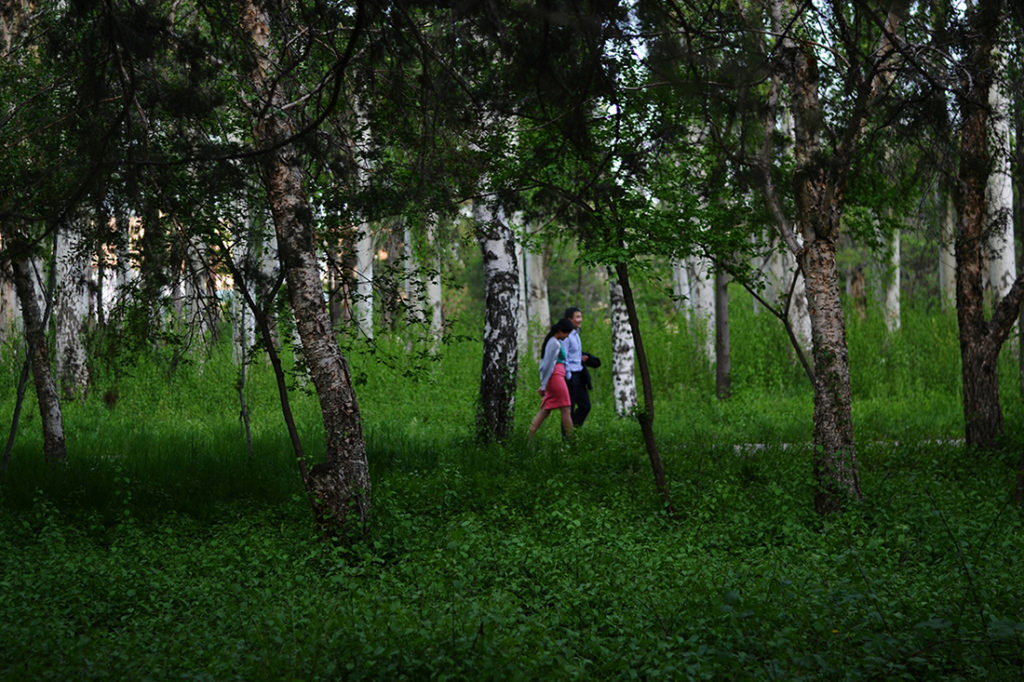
(818, 199)
(623, 377)
(42, 375)
(340, 485)
(980, 340)
(496, 414)
(723, 353)
(71, 310)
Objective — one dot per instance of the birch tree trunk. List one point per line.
(702, 303)
(522, 321)
(363, 299)
(339, 487)
(496, 415)
(10, 318)
(623, 351)
(71, 309)
(52, 418)
(891, 279)
(432, 282)
(680, 287)
(537, 304)
(1002, 256)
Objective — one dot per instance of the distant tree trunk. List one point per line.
(522, 321)
(785, 290)
(432, 281)
(623, 351)
(980, 341)
(200, 293)
(35, 334)
(891, 279)
(537, 303)
(947, 253)
(9, 316)
(702, 302)
(723, 354)
(71, 309)
(363, 299)
(645, 415)
(340, 486)
(681, 287)
(496, 415)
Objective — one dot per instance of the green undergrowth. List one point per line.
(165, 549)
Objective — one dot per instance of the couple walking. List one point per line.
(564, 381)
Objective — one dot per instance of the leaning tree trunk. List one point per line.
(496, 415)
(646, 415)
(340, 486)
(35, 334)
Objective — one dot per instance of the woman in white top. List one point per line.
(552, 379)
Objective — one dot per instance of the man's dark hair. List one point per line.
(569, 312)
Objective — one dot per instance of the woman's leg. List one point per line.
(566, 419)
(537, 421)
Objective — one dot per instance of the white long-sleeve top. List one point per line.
(552, 355)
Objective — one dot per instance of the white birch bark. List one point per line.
(500, 355)
(891, 281)
(432, 283)
(681, 287)
(10, 317)
(1002, 261)
(623, 351)
(537, 304)
(339, 487)
(243, 326)
(702, 306)
(71, 308)
(414, 294)
(363, 300)
(522, 322)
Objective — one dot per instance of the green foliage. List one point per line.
(161, 551)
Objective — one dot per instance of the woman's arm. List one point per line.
(547, 361)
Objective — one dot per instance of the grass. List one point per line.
(163, 550)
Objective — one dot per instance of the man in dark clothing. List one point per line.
(575, 374)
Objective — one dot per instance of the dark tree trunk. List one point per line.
(980, 340)
(835, 460)
(723, 354)
(340, 485)
(645, 415)
(46, 387)
(496, 415)
(818, 191)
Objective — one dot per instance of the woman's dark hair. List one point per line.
(563, 325)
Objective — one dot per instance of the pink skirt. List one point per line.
(557, 393)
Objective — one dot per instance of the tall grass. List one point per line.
(164, 550)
